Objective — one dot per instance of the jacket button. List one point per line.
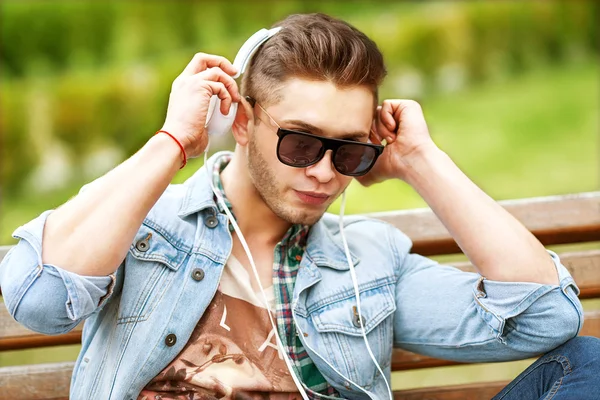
(171, 339)
(142, 245)
(357, 322)
(211, 221)
(198, 274)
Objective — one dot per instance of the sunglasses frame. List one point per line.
(328, 144)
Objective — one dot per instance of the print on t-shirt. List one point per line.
(232, 353)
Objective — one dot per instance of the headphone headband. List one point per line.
(249, 47)
(216, 122)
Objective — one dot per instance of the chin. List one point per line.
(296, 214)
(307, 219)
(303, 215)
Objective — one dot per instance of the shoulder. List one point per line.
(368, 234)
(170, 202)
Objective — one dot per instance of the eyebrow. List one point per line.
(319, 131)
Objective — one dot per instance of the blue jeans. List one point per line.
(571, 371)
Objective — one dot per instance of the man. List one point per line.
(171, 305)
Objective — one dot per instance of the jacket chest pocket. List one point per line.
(151, 265)
(341, 336)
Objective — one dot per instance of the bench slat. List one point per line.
(36, 382)
(564, 219)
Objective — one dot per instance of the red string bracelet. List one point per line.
(180, 146)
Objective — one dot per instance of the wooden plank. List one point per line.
(476, 391)
(36, 382)
(570, 218)
(404, 360)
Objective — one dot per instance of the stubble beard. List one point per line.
(266, 185)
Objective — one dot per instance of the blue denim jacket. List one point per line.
(407, 300)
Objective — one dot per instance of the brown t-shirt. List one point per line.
(232, 353)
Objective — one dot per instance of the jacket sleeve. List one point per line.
(43, 297)
(446, 313)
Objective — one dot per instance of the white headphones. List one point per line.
(216, 122)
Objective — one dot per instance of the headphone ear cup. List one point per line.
(217, 123)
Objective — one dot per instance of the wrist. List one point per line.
(166, 150)
(178, 143)
(422, 162)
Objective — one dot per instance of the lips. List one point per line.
(312, 198)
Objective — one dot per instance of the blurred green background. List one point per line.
(511, 90)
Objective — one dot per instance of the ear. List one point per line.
(243, 125)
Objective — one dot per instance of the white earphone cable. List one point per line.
(357, 294)
(237, 229)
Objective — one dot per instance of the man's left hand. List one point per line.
(402, 124)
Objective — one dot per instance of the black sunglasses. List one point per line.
(302, 149)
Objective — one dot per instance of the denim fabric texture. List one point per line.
(571, 371)
(407, 300)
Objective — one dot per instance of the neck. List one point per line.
(256, 220)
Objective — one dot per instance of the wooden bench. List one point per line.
(554, 220)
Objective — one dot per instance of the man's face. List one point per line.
(302, 195)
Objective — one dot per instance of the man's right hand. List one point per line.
(206, 75)
(91, 234)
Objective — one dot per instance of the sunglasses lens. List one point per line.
(299, 150)
(354, 159)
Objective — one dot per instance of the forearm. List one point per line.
(91, 233)
(497, 244)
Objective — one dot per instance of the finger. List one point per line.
(219, 89)
(217, 75)
(202, 61)
(387, 116)
(384, 128)
(375, 135)
(406, 107)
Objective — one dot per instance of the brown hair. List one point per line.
(315, 47)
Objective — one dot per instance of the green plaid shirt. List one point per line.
(287, 257)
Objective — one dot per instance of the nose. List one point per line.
(323, 170)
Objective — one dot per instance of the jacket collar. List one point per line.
(326, 250)
(322, 247)
(199, 194)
